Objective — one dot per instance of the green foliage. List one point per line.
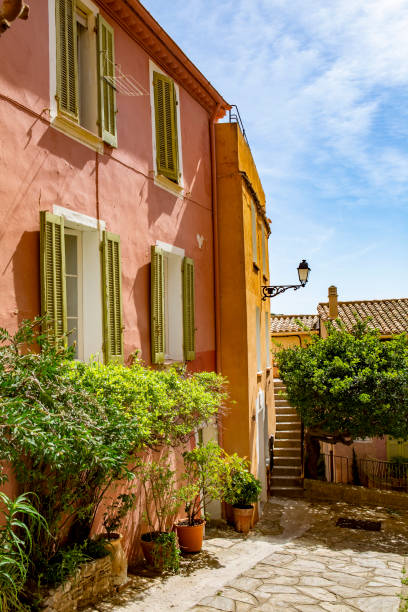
(116, 512)
(203, 477)
(71, 429)
(349, 385)
(15, 547)
(63, 565)
(241, 488)
(166, 552)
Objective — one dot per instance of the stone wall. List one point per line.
(91, 582)
(361, 496)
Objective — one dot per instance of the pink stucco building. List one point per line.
(107, 127)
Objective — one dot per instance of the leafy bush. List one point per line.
(204, 469)
(15, 547)
(241, 488)
(166, 552)
(350, 384)
(158, 482)
(71, 429)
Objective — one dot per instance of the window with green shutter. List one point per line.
(188, 309)
(165, 104)
(107, 94)
(52, 266)
(112, 298)
(157, 305)
(85, 60)
(67, 60)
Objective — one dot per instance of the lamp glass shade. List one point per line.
(303, 271)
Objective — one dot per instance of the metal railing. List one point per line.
(389, 475)
(235, 117)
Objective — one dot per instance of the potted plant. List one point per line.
(203, 483)
(112, 519)
(242, 490)
(159, 544)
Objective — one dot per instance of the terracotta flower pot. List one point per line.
(243, 518)
(190, 537)
(119, 559)
(148, 541)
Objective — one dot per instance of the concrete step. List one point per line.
(285, 481)
(286, 470)
(293, 434)
(287, 426)
(287, 443)
(282, 401)
(289, 451)
(281, 461)
(286, 491)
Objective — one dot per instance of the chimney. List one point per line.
(333, 305)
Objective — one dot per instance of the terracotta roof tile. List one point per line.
(389, 316)
(288, 323)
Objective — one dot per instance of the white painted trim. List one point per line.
(159, 180)
(75, 218)
(170, 248)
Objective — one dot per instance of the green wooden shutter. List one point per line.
(107, 93)
(112, 298)
(188, 309)
(67, 64)
(52, 268)
(157, 305)
(166, 127)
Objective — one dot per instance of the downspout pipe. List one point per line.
(216, 258)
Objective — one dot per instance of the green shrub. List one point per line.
(242, 488)
(71, 429)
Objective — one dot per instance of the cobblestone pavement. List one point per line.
(296, 559)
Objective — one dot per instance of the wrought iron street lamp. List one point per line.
(303, 273)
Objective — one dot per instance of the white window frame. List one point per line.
(173, 312)
(159, 179)
(59, 121)
(90, 325)
(80, 341)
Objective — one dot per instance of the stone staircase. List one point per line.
(286, 480)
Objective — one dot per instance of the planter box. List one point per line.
(92, 582)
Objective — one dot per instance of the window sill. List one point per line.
(168, 185)
(78, 133)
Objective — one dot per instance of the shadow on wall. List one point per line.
(26, 275)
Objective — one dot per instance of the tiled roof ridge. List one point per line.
(365, 301)
(295, 315)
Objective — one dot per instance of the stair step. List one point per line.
(285, 481)
(293, 443)
(286, 452)
(294, 434)
(286, 470)
(287, 426)
(287, 491)
(279, 461)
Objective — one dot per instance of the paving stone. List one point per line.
(302, 565)
(314, 581)
(280, 571)
(221, 542)
(346, 592)
(260, 572)
(218, 602)
(345, 579)
(339, 608)
(318, 593)
(245, 583)
(376, 604)
(242, 607)
(239, 596)
(362, 562)
(310, 608)
(278, 559)
(274, 607)
(384, 590)
(290, 598)
(275, 588)
(386, 581)
(289, 580)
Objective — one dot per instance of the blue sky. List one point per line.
(322, 87)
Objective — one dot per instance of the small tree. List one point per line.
(348, 385)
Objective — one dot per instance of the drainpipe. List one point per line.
(213, 119)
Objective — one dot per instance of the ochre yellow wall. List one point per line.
(240, 284)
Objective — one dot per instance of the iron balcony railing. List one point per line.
(388, 475)
(235, 117)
